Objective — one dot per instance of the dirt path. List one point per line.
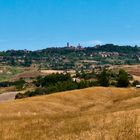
(7, 96)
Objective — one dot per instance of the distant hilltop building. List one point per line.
(79, 46)
(68, 45)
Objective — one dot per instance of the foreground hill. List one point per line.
(93, 113)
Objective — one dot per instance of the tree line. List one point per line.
(63, 82)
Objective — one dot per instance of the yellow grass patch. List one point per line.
(93, 113)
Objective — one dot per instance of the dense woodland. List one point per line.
(72, 57)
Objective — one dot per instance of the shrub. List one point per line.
(123, 79)
(82, 84)
(103, 78)
(19, 84)
(136, 82)
(51, 79)
(113, 83)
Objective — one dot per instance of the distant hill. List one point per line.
(119, 49)
(67, 58)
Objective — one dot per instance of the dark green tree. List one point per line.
(103, 78)
(19, 84)
(123, 79)
(12, 62)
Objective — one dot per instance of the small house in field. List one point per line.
(76, 80)
(137, 86)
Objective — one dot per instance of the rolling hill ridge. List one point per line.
(92, 113)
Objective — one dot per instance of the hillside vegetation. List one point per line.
(72, 58)
(91, 114)
(54, 83)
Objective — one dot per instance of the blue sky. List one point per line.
(36, 24)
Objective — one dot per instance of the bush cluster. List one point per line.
(19, 84)
(57, 87)
(63, 82)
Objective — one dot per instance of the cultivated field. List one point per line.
(56, 71)
(51, 71)
(134, 70)
(88, 114)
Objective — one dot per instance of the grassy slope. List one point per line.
(9, 72)
(93, 113)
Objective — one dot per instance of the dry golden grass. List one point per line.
(136, 77)
(88, 114)
(51, 71)
(133, 70)
(46, 72)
